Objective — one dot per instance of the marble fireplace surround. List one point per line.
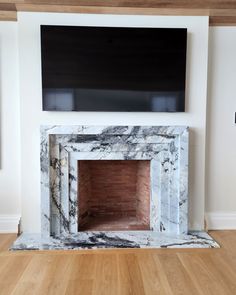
(167, 149)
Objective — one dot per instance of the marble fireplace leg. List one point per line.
(64, 192)
(183, 181)
(73, 194)
(155, 192)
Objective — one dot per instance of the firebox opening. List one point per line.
(113, 195)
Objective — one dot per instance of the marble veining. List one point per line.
(165, 146)
(132, 239)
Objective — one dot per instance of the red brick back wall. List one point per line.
(114, 188)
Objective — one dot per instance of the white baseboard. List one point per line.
(221, 220)
(9, 223)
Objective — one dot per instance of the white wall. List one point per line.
(9, 129)
(221, 131)
(32, 116)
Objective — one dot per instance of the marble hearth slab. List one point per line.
(130, 239)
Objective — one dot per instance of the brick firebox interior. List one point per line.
(114, 195)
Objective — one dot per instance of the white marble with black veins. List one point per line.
(167, 149)
(131, 239)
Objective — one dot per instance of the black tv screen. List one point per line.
(113, 69)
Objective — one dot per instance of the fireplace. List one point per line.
(114, 187)
(113, 195)
(93, 179)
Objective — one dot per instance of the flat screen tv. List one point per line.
(113, 69)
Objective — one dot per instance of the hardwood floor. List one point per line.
(120, 272)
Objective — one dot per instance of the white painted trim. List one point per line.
(221, 220)
(9, 223)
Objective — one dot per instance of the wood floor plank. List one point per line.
(6, 240)
(57, 275)
(106, 273)
(81, 275)
(124, 281)
(226, 238)
(131, 280)
(33, 275)
(12, 272)
(224, 275)
(3, 266)
(204, 281)
(152, 274)
(179, 280)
